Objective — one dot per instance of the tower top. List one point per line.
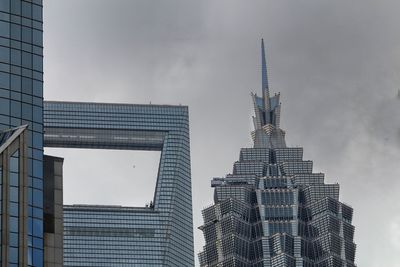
(267, 132)
(264, 70)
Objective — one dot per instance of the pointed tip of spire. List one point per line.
(264, 74)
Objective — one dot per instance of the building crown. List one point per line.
(267, 109)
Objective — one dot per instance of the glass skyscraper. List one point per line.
(158, 235)
(21, 103)
(273, 210)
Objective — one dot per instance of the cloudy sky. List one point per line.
(336, 64)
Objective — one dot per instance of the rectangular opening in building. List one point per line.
(108, 177)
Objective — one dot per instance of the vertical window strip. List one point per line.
(13, 206)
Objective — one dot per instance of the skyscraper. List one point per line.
(31, 224)
(273, 210)
(158, 235)
(21, 105)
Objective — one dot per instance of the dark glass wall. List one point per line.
(21, 100)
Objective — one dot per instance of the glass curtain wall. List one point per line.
(21, 102)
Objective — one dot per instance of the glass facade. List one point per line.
(21, 103)
(14, 204)
(158, 235)
(273, 210)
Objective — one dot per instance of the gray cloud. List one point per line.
(336, 64)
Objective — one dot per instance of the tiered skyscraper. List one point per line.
(273, 210)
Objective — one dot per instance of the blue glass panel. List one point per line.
(37, 37)
(4, 29)
(26, 60)
(16, 31)
(38, 213)
(13, 224)
(37, 63)
(37, 183)
(4, 93)
(16, 83)
(29, 225)
(5, 6)
(37, 227)
(13, 255)
(27, 98)
(4, 80)
(16, 57)
(26, 85)
(37, 12)
(37, 116)
(37, 257)
(37, 242)
(37, 198)
(16, 7)
(26, 111)
(4, 105)
(14, 211)
(14, 164)
(37, 88)
(4, 54)
(13, 239)
(27, 9)
(16, 109)
(37, 169)
(14, 194)
(30, 252)
(26, 34)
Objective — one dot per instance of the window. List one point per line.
(37, 38)
(5, 6)
(37, 63)
(14, 194)
(16, 83)
(26, 112)
(37, 12)
(16, 7)
(37, 114)
(16, 31)
(4, 29)
(14, 207)
(4, 54)
(14, 179)
(37, 88)
(26, 60)
(26, 85)
(4, 80)
(27, 9)
(15, 57)
(37, 198)
(4, 105)
(26, 35)
(15, 109)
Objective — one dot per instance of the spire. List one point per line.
(264, 77)
(267, 132)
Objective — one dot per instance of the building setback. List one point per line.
(273, 210)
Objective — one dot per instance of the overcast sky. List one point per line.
(336, 64)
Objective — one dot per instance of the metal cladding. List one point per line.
(273, 210)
